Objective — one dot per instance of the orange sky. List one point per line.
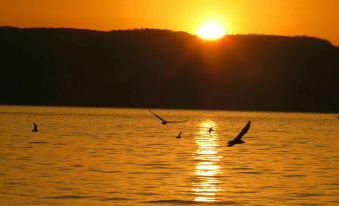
(318, 18)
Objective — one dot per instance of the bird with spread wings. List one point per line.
(237, 139)
(163, 121)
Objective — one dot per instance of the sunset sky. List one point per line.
(280, 17)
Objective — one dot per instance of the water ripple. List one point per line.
(70, 197)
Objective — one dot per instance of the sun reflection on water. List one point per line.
(206, 183)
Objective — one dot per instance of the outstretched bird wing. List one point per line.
(157, 116)
(243, 132)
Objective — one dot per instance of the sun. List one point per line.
(211, 31)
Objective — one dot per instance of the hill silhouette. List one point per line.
(161, 68)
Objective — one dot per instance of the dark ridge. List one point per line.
(162, 68)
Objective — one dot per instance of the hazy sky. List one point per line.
(318, 18)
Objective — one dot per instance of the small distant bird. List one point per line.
(164, 122)
(179, 135)
(35, 127)
(210, 130)
(238, 140)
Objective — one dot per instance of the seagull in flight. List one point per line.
(210, 130)
(164, 122)
(35, 127)
(179, 135)
(238, 140)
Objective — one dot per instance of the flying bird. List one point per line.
(179, 135)
(35, 127)
(164, 122)
(238, 140)
(210, 130)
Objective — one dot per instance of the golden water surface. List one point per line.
(91, 156)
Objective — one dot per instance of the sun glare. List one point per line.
(211, 31)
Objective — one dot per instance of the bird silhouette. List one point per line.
(210, 130)
(35, 127)
(163, 121)
(179, 135)
(237, 139)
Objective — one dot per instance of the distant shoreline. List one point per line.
(166, 69)
(158, 108)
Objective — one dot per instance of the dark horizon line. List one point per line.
(166, 108)
(169, 30)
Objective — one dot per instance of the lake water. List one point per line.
(91, 156)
